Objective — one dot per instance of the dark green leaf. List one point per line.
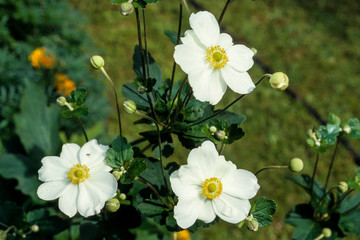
(231, 118)
(355, 127)
(234, 132)
(80, 112)
(78, 96)
(139, 4)
(349, 223)
(328, 133)
(334, 120)
(137, 166)
(304, 181)
(151, 209)
(154, 175)
(37, 124)
(49, 225)
(264, 208)
(90, 230)
(196, 110)
(117, 1)
(11, 214)
(173, 36)
(119, 152)
(349, 203)
(130, 92)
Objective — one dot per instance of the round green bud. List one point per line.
(347, 129)
(97, 61)
(112, 205)
(117, 175)
(61, 101)
(279, 81)
(129, 106)
(342, 186)
(3, 235)
(296, 165)
(122, 196)
(35, 228)
(126, 8)
(142, 89)
(252, 225)
(326, 232)
(221, 135)
(212, 129)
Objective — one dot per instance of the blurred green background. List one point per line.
(314, 42)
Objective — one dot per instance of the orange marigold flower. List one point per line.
(63, 84)
(41, 57)
(182, 235)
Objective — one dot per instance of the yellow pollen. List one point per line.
(78, 173)
(212, 187)
(216, 56)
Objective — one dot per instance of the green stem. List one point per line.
(343, 197)
(313, 176)
(232, 103)
(222, 147)
(137, 141)
(331, 163)
(153, 189)
(224, 11)
(177, 95)
(321, 200)
(270, 167)
(177, 42)
(82, 128)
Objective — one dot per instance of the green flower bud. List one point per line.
(97, 61)
(221, 135)
(347, 129)
(35, 228)
(141, 89)
(342, 186)
(129, 106)
(126, 8)
(61, 101)
(326, 232)
(254, 50)
(3, 235)
(212, 129)
(122, 196)
(296, 165)
(117, 175)
(279, 81)
(252, 225)
(112, 205)
(241, 224)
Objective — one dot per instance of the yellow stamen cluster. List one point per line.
(216, 56)
(78, 173)
(212, 187)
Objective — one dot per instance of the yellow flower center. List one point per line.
(78, 173)
(216, 56)
(212, 187)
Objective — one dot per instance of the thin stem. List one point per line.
(232, 103)
(224, 11)
(331, 163)
(321, 236)
(142, 59)
(153, 189)
(313, 175)
(222, 147)
(177, 42)
(177, 95)
(322, 199)
(344, 196)
(83, 129)
(137, 141)
(159, 143)
(116, 97)
(270, 167)
(145, 43)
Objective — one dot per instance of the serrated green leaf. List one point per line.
(80, 112)
(37, 124)
(136, 167)
(334, 120)
(355, 127)
(264, 208)
(119, 153)
(328, 133)
(233, 132)
(154, 175)
(77, 96)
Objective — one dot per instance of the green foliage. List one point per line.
(264, 208)
(136, 167)
(355, 127)
(120, 153)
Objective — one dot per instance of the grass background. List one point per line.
(314, 42)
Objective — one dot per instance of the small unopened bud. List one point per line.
(3, 235)
(97, 61)
(122, 196)
(221, 135)
(129, 106)
(126, 8)
(342, 186)
(212, 129)
(252, 225)
(112, 205)
(117, 175)
(254, 50)
(61, 101)
(347, 129)
(296, 165)
(279, 81)
(35, 228)
(141, 89)
(326, 232)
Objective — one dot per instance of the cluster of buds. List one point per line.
(126, 8)
(118, 173)
(113, 204)
(220, 135)
(312, 135)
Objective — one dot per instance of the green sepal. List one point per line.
(264, 208)
(136, 167)
(119, 153)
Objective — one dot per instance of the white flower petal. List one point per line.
(223, 167)
(69, 154)
(181, 186)
(67, 202)
(230, 209)
(225, 41)
(217, 87)
(199, 82)
(52, 169)
(187, 211)
(207, 213)
(52, 190)
(191, 40)
(240, 183)
(87, 201)
(93, 156)
(189, 58)
(103, 184)
(239, 82)
(205, 27)
(240, 57)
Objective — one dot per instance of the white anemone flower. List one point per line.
(212, 61)
(80, 178)
(209, 185)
